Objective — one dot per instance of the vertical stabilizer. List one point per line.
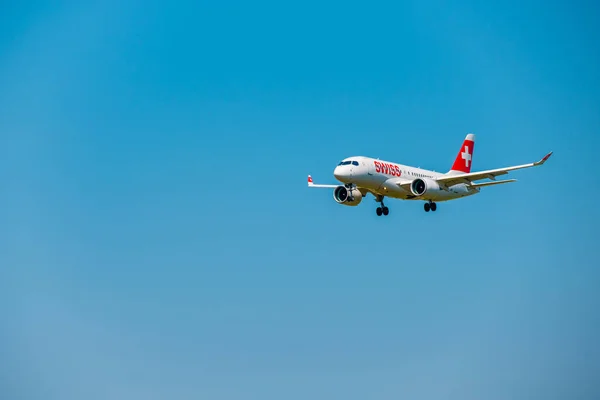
(464, 158)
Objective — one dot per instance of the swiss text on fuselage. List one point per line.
(388, 169)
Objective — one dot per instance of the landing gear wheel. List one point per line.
(383, 210)
(426, 206)
(433, 206)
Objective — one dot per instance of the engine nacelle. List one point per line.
(424, 186)
(346, 196)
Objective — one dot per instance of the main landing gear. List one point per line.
(430, 206)
(383, 209)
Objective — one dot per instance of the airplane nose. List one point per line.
(337, 173)
(340, 173)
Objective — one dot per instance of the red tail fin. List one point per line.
(464, 158)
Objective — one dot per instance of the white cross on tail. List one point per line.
(466, 156)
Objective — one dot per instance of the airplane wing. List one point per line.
(312, 184)
(450, 180)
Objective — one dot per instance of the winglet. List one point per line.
(543, 160)
(310, 181)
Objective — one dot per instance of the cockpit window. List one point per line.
(348, 163)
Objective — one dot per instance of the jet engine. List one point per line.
(347, 196)
(424, 186)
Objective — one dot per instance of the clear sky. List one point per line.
(159, 241)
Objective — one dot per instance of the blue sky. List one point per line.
(160, 242)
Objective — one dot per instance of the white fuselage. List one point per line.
(381, 177)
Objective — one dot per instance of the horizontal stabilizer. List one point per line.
(492, 183)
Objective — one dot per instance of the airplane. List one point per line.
(361, 175)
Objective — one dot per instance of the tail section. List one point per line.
(464, 158)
